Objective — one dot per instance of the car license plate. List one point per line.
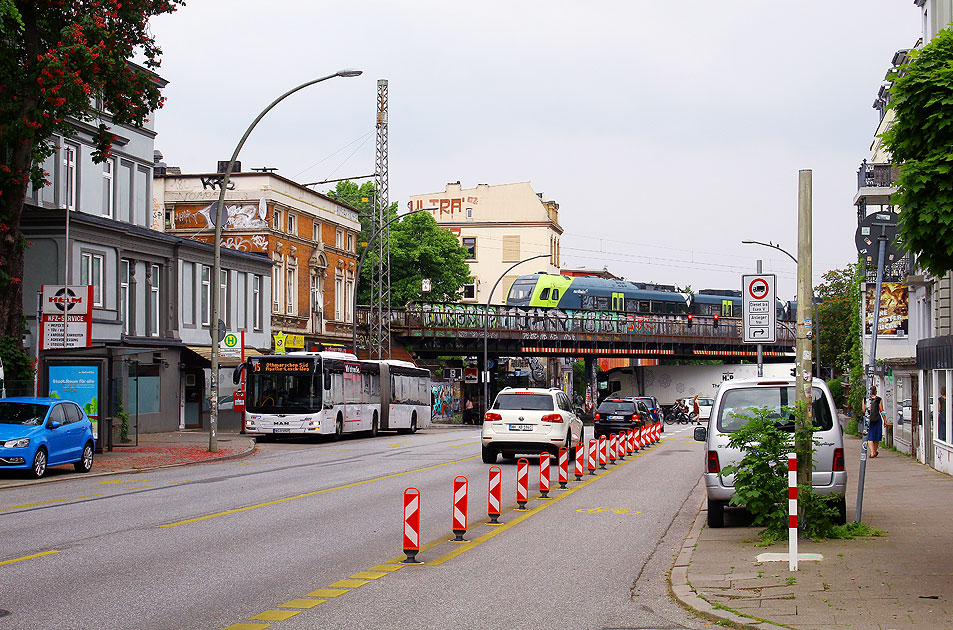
(616, 417)
(282, 430)
(521, 427)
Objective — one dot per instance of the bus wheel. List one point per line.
(413, 423)
(338, 428)
(374, 426)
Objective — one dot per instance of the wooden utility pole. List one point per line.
(803, 443)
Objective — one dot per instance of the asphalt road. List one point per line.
(304, 535)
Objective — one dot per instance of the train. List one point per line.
(590, 293)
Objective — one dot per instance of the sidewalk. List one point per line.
(901, 580)
(155, 450)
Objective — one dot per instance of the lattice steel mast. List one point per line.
(379, 325)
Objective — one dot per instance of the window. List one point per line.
(206, 294)
(469, 213)
(188, 293)
(470, 243)
(256, 302)
(241, 293)
(511, 248)
(349, 298)
(350, 242)
(154, 300)
(339, 298)
(277, 277)
(73, 414)
(291, 293)
(69, 177)
(276, 219)
(339, 239)
(469, 291)
(58, 414)
(125, 267)
(91, 274)
(316, 232)
(292, 224)
(316, 305)
(223, 295)
(109, 188)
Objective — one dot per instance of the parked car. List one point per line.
(36, 433)
(654, 407)
(737, 397)
(618, 414)
(529, 420)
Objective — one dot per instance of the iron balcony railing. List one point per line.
(871, 175)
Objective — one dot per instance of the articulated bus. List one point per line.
(332, 393)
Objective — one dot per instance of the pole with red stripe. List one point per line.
(522, 483)
(411, 525)
(603, 455)
(593, 446)
(792, 511)
(580, 456)
(563, 472)
(494, 494)
(544, 475)
(459, 514)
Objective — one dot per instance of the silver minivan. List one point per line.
(738, 397)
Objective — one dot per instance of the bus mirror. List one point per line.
(237, 374)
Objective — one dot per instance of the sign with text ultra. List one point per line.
(66, 316)
(759, 308)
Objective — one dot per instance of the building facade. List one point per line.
(310, 239)
(499, 225)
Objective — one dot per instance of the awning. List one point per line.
(935, 353)
(205, 352)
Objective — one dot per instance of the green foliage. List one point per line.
(835, 314)
(123, 419)
(17, 365)
(836, 386)
(920, 140)
(856, 391)
(852, 426)
(419, 248)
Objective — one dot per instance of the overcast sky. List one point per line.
(668, 132)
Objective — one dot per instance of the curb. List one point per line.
(125, 471)
(689, 598)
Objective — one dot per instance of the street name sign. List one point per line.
(758, 308)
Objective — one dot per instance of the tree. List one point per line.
(54, 57)
(361, 198)
(921, 141)
(838, 308)
(421, 249)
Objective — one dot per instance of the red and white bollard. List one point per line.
(632, 446)
(621, 444)
(459, 515)
(544, 475)
(522, 483)
(578, 464)
(612, 448)
(563, 473)
(411, 525)
(792, 511)
(494, 494)
(603, 455)
(593, 447)
(629, 447)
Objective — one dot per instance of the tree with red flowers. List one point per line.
(55, 56)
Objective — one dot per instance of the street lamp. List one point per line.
(486, 320)
(360, 264)
(220, 215)
(771, 245)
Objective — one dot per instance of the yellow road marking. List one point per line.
(388, 567)
(30, 557)
(465, 444)
(248, 626)
(369, 575)
(349, 583)
(26, 505)
(599, 510)
(311, 494)
(302, 603)
(275, 615)
(329, 592)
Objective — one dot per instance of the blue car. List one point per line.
(654, 408)
(36, 433)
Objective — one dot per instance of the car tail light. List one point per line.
(490, 416)
(598, 416)
(713, 465)
(635, 417)
(838, 460)
(552, 417)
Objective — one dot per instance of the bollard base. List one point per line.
(411, 558)
(458, 535)
(578, 477)
(562, 485)
(522, 505)
(544, 494)
(494, 519)
(602, 467)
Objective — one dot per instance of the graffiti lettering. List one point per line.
(216, 182)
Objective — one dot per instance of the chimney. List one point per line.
(223, 166)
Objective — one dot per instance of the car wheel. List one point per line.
(86, 463)
(841, 511)
(39, 463)
(716, 513)
(489, 455)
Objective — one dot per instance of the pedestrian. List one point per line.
(875, 424)
(695, 407)
(468, 414)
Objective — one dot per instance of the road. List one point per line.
(311, 532)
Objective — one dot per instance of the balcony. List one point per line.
(876, 183)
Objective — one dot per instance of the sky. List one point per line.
(668, 132)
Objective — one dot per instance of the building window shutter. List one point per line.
(511, 248)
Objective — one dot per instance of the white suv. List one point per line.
(529, 421)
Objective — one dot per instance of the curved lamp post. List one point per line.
(360, 264)
(219, 214)
(486, 320)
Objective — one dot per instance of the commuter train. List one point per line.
(603, 294)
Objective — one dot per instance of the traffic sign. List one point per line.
(870, 230)
(758, 310)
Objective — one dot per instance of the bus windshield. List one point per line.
(284, 385)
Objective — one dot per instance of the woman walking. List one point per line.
(875, 424)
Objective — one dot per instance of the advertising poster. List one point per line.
(80, 384)
(894, 314)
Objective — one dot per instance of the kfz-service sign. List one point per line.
(759, 308)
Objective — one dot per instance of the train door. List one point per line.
(618, 301)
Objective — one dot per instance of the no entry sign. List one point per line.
(759, 312)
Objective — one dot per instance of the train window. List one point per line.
(671, 307)
(521, 291)
(658, 307)
(631, 306)
(602, 303)
(644, 307)
(589, 302)
(544, 294)
(555, 295)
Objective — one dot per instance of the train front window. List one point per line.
(521, 292)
